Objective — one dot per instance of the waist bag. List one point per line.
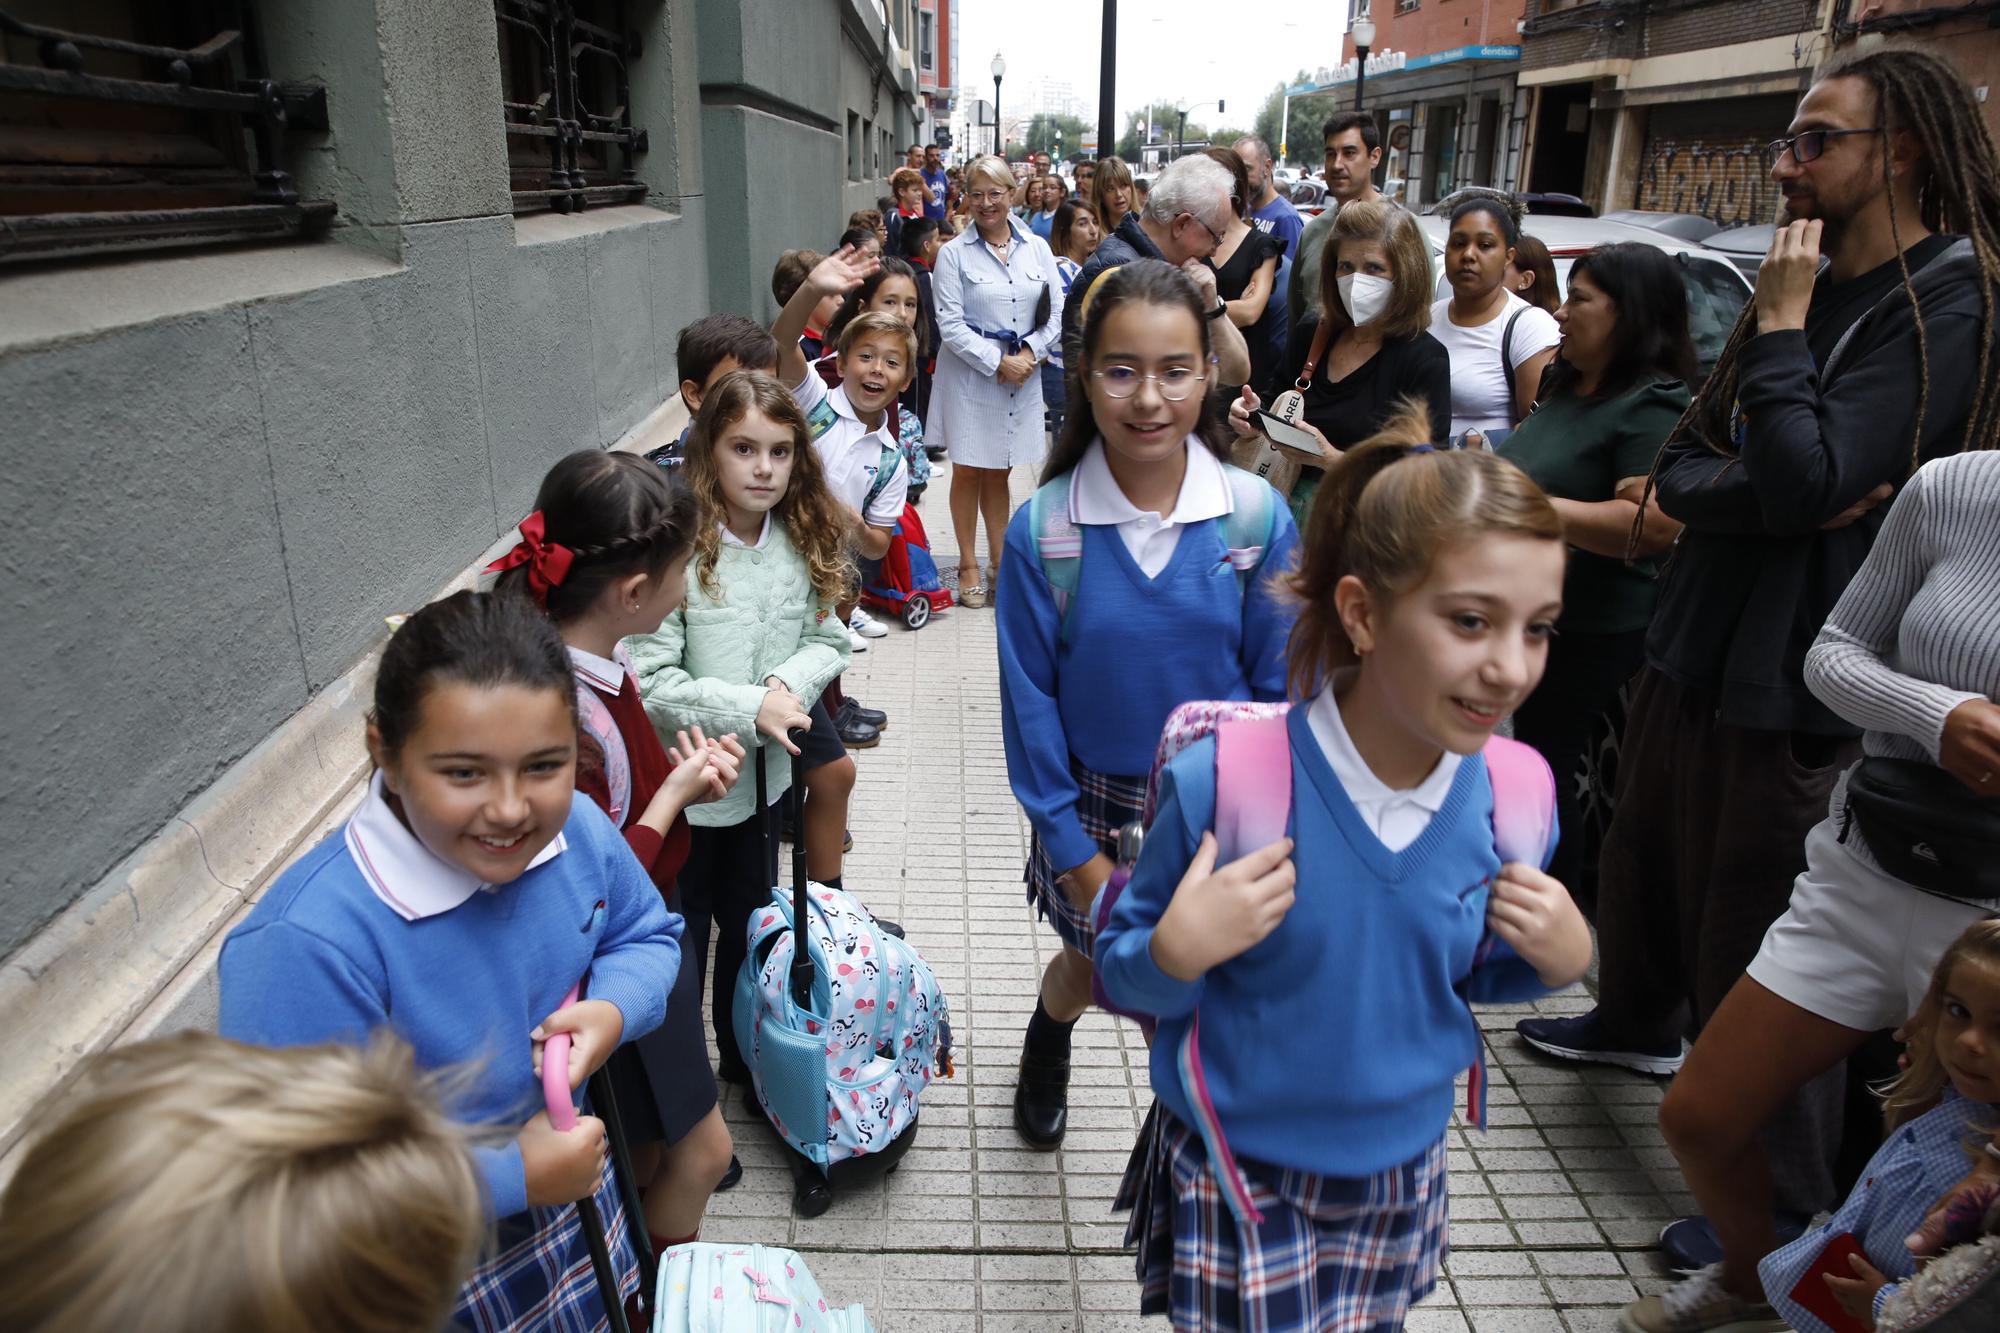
(1926, 827)
(1253, 807)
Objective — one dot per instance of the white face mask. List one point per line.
(1365, 296)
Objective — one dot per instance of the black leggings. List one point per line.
(728, 875)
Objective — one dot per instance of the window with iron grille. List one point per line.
(127, 125)
(566, 98)
(1405, 6)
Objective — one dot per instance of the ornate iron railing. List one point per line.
(112, 143)
(566, 100)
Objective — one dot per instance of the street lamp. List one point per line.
(1364, 37)
(999, 68)
(1180, 129)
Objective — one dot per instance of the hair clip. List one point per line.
(1421, 449)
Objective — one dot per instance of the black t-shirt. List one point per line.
(1835, 306)
(1348, 411)
(1231, 281)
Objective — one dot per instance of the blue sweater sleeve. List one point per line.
(1124, 951)
(639, 953)
(1267, 619)
(1031, 724)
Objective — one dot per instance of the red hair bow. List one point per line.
(548, 562)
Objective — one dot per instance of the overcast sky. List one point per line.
(1201, 49)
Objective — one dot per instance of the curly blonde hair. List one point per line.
(1919, 1086)
(812, 517)
(192, 1184)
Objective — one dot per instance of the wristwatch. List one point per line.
(1221, 309)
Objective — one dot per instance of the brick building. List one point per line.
(1440, 80)
(1665, 104)
(937, 63)
(1962, 34)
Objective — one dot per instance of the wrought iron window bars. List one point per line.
(86, 168)
(567, 103)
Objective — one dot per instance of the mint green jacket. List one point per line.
(706, 666)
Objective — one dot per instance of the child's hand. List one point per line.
(714, 765)
(1857, 1294)
(561, 1166)
(1536, 917)
(595, 1028)
(780, 714)
(1240, 409)
(1216, 915)
(842, 271)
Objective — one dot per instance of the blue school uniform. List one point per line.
(371, 929)
(1329, 1050)
(1907, 1175)
(1082, 704)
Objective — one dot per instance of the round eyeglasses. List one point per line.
(1174, 384)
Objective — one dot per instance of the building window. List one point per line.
(855, 165)
(925, 39)
(566, 100)
(127, 125)
(1405, 6)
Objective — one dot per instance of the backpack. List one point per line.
(705, 1288)
(843, 1041)
(1246, 531)
(1253, 805)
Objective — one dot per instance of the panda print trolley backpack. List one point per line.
(841, 1037)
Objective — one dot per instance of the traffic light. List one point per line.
(1220, 106)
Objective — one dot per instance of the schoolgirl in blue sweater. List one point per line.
(472, 889)
(1333, 969)
(1166, 600)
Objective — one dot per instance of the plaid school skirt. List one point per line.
(540, 1277)
(1333, 1254)
(1105, 804)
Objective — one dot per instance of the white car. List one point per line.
(1716, 289)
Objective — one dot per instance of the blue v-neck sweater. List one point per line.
(1136, 649)
(1331, 1046)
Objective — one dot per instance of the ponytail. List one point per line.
(1384, 511)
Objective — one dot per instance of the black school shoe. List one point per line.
(854, 733)
(850, 710)
(1041, 1098)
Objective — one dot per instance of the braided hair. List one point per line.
(618, 515)
(1959, 193)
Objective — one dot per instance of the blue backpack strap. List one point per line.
(1250, 524)
(885, 471)
(820, 420)
(1058, 543)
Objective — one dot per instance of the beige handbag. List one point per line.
(1274, 462)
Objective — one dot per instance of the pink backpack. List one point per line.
(1253, 804)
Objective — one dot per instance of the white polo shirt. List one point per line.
(414, 881)
(1398, 818)
(850, 453)
(1152, 540)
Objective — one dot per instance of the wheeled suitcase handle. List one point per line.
(561, 1104)
(802, 965)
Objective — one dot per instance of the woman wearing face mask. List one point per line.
(1365, 348)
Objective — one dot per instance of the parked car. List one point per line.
(1690, 227)
(1309, 197)
(1716, 291)
(1745, 246)
(1557, 205)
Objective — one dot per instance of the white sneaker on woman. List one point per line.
(1699, 1304)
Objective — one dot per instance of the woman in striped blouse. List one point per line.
(1911, 653)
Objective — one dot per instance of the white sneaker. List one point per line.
(1699, 1304)
(855, 641)
(864, 624)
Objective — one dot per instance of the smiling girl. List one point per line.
(754, 640)
(470, 892)
(1143, 594)
(1333, 1022)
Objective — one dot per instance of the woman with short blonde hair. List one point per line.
(999, 312)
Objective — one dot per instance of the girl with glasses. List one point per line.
(1133, 582)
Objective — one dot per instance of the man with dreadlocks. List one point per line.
(1866, 350)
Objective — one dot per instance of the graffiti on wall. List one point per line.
(1726, 181)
